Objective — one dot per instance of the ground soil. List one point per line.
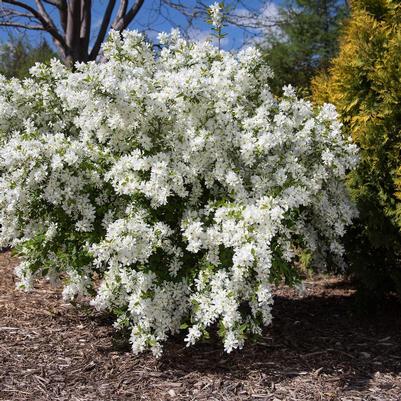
(318, 348)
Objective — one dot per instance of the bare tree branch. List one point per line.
(121, 11)
(52, 31)
(103, 29)
(55, 3)
(23, 26)
(48, 19)
(11, 13)
(190, 12)
(249, 18)
(129, 17)
(44, 13)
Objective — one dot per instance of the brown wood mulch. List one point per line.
(317, 349)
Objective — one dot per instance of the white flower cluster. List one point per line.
(172, 188)
(216, 15)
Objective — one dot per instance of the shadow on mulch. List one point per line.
(321, 334)
(318, 348)
(311, 334)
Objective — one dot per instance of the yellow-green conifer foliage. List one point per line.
(364, 83)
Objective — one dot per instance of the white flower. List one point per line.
(51, 231)
(195, 236)
(25, 276)
(194, 333)
(216, 14)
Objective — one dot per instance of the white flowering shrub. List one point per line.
(171, 189)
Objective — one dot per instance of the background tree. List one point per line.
(17, 56)
(305, 41)
(364, 84)
(71, 33)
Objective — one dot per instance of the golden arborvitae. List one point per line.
(364, 83)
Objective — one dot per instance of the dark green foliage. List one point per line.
(307, 42)
(18, 55)
(364, 84)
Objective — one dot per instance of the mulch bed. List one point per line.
(318, 348)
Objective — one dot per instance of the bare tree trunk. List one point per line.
(86, 16)
(73, 31)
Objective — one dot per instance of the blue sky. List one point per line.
(150, 20)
